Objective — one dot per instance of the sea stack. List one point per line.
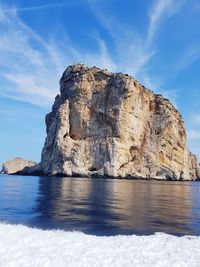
(107, 124)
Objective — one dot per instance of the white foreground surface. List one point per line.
(22, 246)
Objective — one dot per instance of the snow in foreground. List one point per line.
(23, 246)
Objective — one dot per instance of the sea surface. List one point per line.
(101, 206)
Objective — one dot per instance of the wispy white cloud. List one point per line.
(23, 66)
(29, 60)
(128, 44)
(159, 12)
(193, 134)
(3, 17)
(188, 57)
(136, 50)
(55, 4)
(102, 58)
(195, 119)
(158, 9)
(31, 66)
(23, 82)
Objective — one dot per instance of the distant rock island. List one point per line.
(19, 165)
(107, 124)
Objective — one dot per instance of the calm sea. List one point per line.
(101, 206)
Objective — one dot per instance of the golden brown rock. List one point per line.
(105, 124)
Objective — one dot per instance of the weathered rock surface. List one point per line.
(106, 124)
(19, 165)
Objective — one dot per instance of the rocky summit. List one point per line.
(107, 124)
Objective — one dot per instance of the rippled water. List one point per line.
(101, 206)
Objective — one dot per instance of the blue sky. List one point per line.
(156, 41)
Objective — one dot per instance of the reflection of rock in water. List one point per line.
(152, 206)
(77, 203)
(108, 207)
(63, 199)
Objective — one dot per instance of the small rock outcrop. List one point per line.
(106, 124)
(20, 166)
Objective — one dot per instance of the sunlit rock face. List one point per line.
(107, 124)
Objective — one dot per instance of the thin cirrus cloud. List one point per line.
(189, 56)
(159, 12)
(155, 15)
(196, 119)
(47, 6)
(136, 50)
(193, 134)
(194, 128)
(46, 59)
(24, 68)
(27, 62)
(132, 54)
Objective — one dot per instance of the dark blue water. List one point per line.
(101, 206)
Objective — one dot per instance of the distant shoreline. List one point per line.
(100, 177)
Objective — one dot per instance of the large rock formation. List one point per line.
(106, 124)
(19, 165)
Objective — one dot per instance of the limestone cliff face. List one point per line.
(106, 124)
